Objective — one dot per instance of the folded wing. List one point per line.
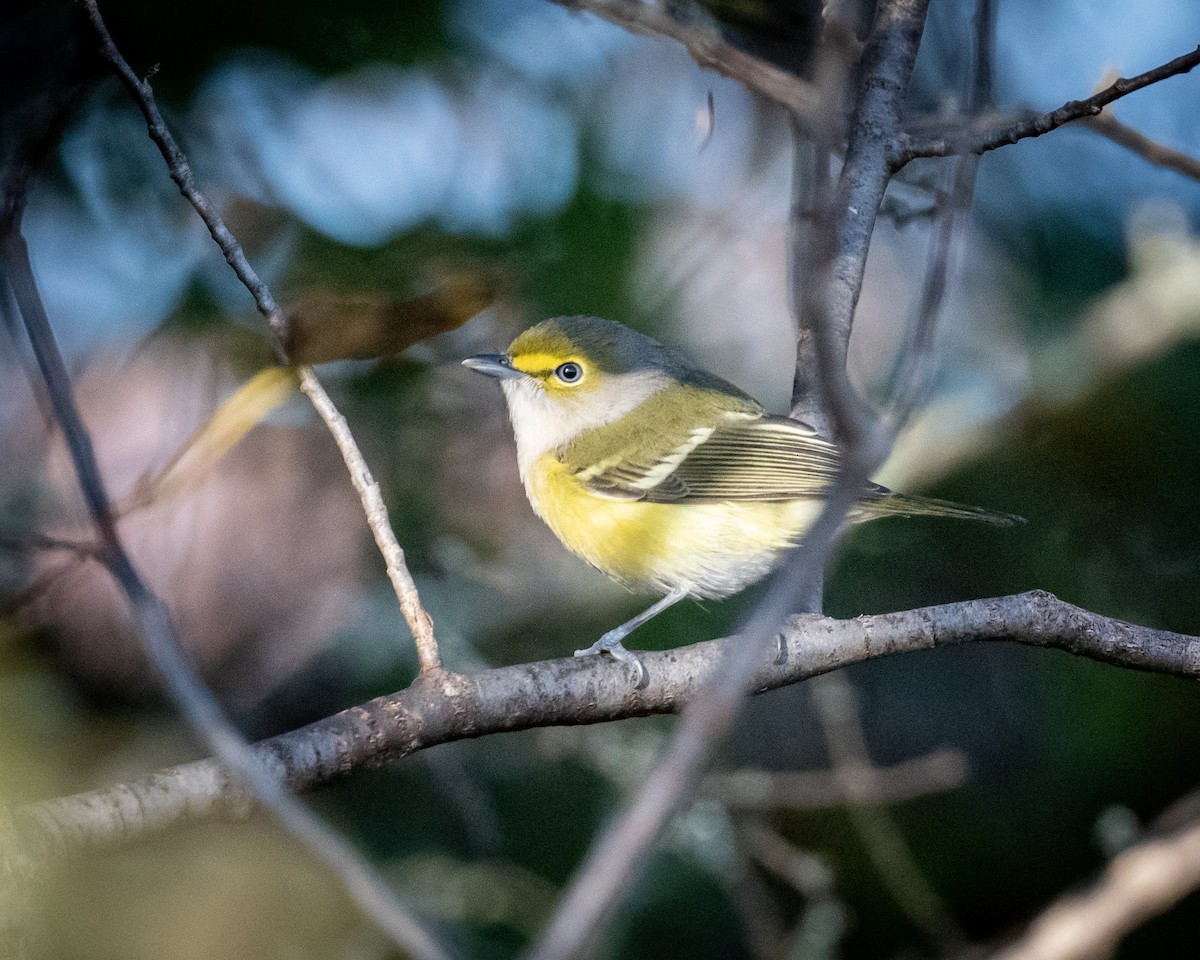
(741, 457)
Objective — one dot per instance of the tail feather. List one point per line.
(905, 505)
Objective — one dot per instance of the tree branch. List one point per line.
(1105, 124)
(691, 25)
(831, 294)
(153, 626)
(570, 691)
(180, 170)
(746, 789)
(972, 140)
(845, 741)
(1139, 884)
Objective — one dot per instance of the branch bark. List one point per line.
(569, 691)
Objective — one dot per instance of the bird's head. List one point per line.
(572, 374)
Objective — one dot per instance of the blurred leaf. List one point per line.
(325, 325)
(193, 462)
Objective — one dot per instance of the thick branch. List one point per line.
(981, 141)
(832, 296)
(570, 691)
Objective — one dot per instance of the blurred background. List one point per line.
(449, 172)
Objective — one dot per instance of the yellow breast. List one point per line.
(710, 549)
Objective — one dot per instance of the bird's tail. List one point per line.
(904, 505)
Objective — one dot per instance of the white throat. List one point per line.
(541, 423)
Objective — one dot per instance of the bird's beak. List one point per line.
(498, 365)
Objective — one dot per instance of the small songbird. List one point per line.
(665, 477)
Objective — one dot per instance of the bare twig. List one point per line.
(934, 772)
(364, 483)
(1140, 883)
(1105, 124)
(807, 874)
(153, 625)
(690, 24)
(571, 691)
(837, 706)
(971, 140)
(768, 930)
(419, 622)
(916, 359)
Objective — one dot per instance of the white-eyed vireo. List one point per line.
(661, 475)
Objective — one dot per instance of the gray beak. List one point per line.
(498, 365)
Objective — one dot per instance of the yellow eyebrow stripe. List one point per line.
(539, 362)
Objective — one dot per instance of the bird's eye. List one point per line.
(569, 372)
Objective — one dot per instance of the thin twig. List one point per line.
(806, 873)
(570, 691)
(838, 708)
(745, 789)
(970, 140)
(691, 25)
(1105, 124)
(916, 360)
(180, 170)
(1140, 883)
(809, 244)
(153, 625)
(768, 932)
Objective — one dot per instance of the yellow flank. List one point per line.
(709, 549)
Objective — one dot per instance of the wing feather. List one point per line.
(740, 458)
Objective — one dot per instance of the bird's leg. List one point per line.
(610, 643)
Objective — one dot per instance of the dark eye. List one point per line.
(568, 372)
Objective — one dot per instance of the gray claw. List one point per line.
(618, 652)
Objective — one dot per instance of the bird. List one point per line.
(663, 476)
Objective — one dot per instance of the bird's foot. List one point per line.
(611, 645)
